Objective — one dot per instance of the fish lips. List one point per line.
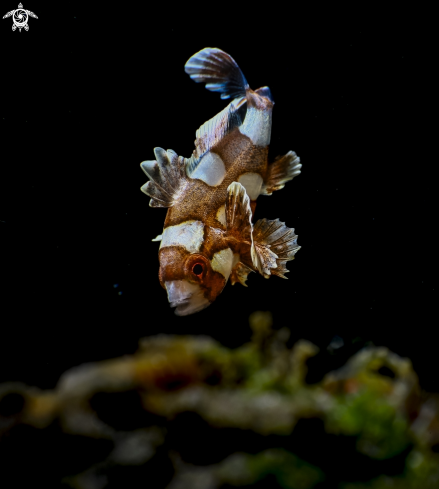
(187, 297)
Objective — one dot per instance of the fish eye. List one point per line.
(197, 269)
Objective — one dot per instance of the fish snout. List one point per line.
(187, 297)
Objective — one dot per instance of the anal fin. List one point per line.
(273, 245)
(282, 170)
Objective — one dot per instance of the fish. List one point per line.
(208, 236)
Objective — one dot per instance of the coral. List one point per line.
(186, 412)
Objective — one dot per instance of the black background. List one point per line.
(86, 96)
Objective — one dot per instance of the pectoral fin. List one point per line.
(282, 170)
(273, 245)
(238, 214)
(263, 259)
(167, 178)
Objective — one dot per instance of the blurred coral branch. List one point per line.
(165, 411)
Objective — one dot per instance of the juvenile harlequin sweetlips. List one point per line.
(208, 236)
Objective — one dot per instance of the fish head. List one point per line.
(192, 280)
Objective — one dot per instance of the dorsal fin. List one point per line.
(219, 71)
(212, 131)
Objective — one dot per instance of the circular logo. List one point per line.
(20, 17)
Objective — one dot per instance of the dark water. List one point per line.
(87, 95)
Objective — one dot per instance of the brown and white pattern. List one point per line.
(208, 236)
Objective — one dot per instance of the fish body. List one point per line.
(208, 235)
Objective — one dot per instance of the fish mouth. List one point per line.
(186, 297)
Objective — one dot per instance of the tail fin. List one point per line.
(219, 71)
